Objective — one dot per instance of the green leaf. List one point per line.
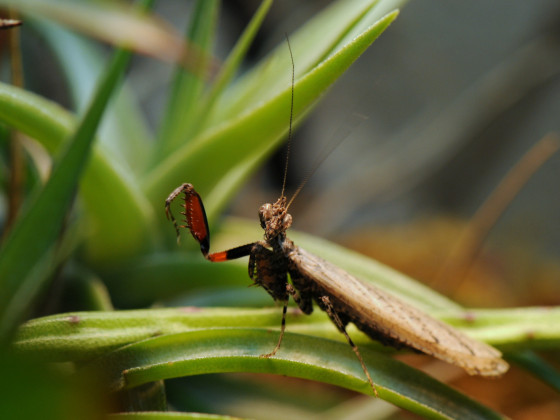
(158, 277)
(26, 257)
(116, 22)
(192, 123)
(237, 146)
(31, 390)
(322, 36)
(166, 415)
(85, 336)
(187, 87)
(104, 180)
(142, 281)
(512, 329)
(78, 336)
(227, 350)
(538, 367)
(123, 131)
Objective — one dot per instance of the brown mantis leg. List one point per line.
(338, 322)
(292, 292)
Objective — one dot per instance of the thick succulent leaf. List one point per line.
(31, 390)
(27, 255)
(512, 329)
(162, 276)
(117, 230)
(167, 415)
(221, 158)
(194, 341)
(189, 110)
(123, 132)
(227, 350)
(79, 336)
(186, 88)
(311, 45)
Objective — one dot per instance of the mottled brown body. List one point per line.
(346, 299)
(386, 318)
(342, 296)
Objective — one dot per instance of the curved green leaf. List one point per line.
(235, 147)
(210, 348)
(27, 255)
(123, 131)
(83, 335)
(512, 329)
(226, 350)
(160, 277)
(126, 225)
(231, 64)
(190, 119)
(186, 88)
(543, 370)
(311, 45)
(166, 415)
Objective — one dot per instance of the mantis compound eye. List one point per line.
(287, 221)
(265, 214)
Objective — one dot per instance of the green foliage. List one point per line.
(113, 245)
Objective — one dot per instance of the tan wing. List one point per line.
(377, 310)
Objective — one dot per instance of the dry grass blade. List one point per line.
(467, 247)
(120, 25)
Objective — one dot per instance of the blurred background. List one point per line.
(455, 95)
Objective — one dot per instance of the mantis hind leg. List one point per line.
(326, 304)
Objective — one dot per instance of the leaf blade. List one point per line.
(227, 350)
(84, 335)
(239, 145)
(186, 87)
(103, 179)
(34, 235)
